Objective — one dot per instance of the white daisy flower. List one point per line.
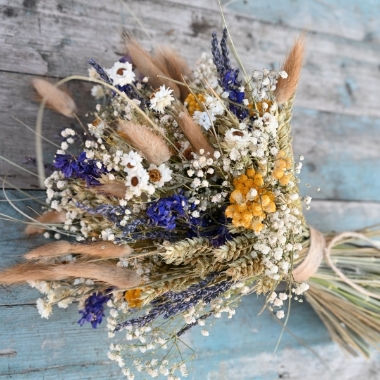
(237, 138)
(131, 160)
(159, 175)
(121, 73)
(161, 99)
(137, 182)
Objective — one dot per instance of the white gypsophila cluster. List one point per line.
(151, 349)
(200, 170)
(213, 108)
(205, 71)
(264, 83)
(58, 294)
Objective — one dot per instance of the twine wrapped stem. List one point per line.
(319, 250)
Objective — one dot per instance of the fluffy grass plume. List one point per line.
(148, 67)
(286, 87)
(193, 132)
(152, 146)
(99, 249)
(176, 67)
(58, 100)
(35, 271)
(49, 217)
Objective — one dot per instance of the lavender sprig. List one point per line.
(176, 303)
(100, 71)
(225, 51)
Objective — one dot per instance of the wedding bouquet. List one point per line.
(182, 198)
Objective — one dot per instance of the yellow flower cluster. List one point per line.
(194, 102)
(281, 165)
(133, 298)
(250, 201)
(260, 107)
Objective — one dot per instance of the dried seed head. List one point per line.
(155, 175)
(56, 98)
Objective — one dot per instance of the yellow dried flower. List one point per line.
(250, 201)
(194, 103)
(133, 297)
(282, 164)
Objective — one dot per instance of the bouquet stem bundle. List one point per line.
(345, 290)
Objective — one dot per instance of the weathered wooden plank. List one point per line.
(17, 99)
(59, 38)
(341, 152)
(59, 347)
(61, 342)
(84, 371)
(350, 19)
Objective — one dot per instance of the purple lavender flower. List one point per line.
(100, 71)
(228, 77)
(94, 309)
(172, 303)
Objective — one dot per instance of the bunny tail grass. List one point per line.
(120, 277)
(152, 146)
(176, 67)
(148, 67)
(98, 249)
(115, 189)
(49, 217)
(56, 98)
(193, 132)
(286, 87)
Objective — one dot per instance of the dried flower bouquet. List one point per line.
(182, 200)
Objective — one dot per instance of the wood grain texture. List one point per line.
(336, 126)
(339, 85)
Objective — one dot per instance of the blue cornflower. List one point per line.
(165, 211)
(94, 309)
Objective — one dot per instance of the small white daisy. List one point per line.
(161, 99)
(121, 73)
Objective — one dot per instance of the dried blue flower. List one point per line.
(93, 311)
(67, 164)
(165, 211)
(80, 167)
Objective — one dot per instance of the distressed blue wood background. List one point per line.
(336, 127)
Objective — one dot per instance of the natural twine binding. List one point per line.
(345, 236)
(319, 251)
(313, 258)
